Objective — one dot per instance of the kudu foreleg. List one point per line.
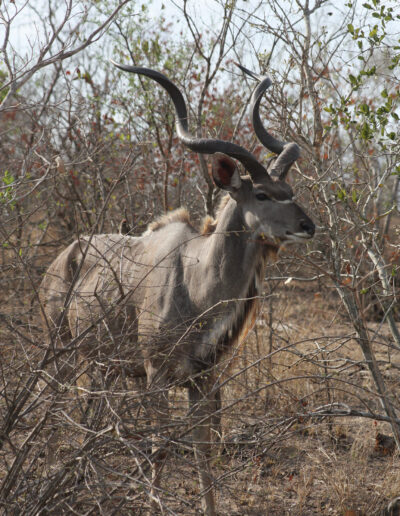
(202, 408)
(158, 413)
(216, 421)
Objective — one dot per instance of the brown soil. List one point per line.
(277, 457)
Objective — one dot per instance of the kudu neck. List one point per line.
(233, 244)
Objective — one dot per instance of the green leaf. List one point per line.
(373, 32)
(8, 178)
(341, 194)
(371, 71)
(354, 81)
(364, 108)
(366, 132)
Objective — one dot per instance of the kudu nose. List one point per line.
(307, 226)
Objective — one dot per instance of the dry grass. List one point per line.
(313, 466)
(275, 458)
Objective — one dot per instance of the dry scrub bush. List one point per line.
(300, 408)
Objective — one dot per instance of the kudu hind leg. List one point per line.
(52, 384)
(68, 386)
(202, 407)
(216, 421)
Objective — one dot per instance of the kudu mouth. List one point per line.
(301, 236)
(297, 237)
(308, 230)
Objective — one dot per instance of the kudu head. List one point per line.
(266, 200)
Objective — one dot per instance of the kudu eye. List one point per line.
(262, 197)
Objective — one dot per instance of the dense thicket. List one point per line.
(84, 146)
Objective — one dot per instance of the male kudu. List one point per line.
(178, 296)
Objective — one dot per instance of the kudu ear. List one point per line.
(225, 173)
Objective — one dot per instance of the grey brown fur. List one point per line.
(177, 297)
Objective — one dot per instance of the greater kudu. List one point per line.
(181, 297)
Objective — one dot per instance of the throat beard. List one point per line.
(270, 246)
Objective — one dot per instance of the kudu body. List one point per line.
(178, 296)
